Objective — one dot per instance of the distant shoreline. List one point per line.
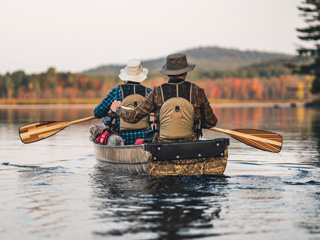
(89, 103)
(49, 101)
(258, 104)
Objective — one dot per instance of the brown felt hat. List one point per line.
(177, 64)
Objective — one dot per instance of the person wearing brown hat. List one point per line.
(181, 108)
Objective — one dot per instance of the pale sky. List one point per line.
(75, 35)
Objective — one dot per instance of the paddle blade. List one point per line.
(37, 131)
(264, 140)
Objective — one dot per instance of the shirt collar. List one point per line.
(175, 80)
(130, 82)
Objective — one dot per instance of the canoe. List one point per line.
(203, 157)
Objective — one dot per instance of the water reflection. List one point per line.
(299, 126)
(36, 113)
(316, 131)
(40, 205)
(244, 117)
(267, 195)
(165, 208)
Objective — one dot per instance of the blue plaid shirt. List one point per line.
(115, 94)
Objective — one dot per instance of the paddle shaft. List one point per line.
(81, 120)
(59, 125)
(38, 131)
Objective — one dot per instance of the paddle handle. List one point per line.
(81, 120)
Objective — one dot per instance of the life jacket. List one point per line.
(132, 101)
(103, 135)
(176, 117)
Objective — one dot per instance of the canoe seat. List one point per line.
(187, 150)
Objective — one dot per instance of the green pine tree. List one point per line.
(311, 14)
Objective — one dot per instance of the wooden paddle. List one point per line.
(33, 132)
(260, 139)
(264, 140)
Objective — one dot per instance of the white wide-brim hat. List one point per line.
(133, 71)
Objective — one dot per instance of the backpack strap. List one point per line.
(161, 90)
(197, 122)
(191, 86)
(122, 94)
(177, 90)
(134, 90)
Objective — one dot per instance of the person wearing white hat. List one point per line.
(133, 72)
(131, 93)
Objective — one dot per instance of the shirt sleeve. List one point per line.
(104, 107)
(142, 110)
(148, 90)
(208, 118)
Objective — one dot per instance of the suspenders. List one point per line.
(134, 90)
(177, 92)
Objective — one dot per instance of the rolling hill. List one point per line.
(206, 59)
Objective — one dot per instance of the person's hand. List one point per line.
(115, 105)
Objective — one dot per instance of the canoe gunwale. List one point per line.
(120, 147)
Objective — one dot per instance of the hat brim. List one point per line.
(178, 71)
(134, 78)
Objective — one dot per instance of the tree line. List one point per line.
(53, 84)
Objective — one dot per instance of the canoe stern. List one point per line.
(205, 157)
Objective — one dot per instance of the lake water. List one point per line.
(52, 189)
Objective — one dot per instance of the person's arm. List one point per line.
(103, 108)
(208, 118)
(135, 115)
(148, 91)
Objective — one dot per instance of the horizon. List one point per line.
(151, 59)
(75, 38)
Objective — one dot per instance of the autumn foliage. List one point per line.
(54, 84)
